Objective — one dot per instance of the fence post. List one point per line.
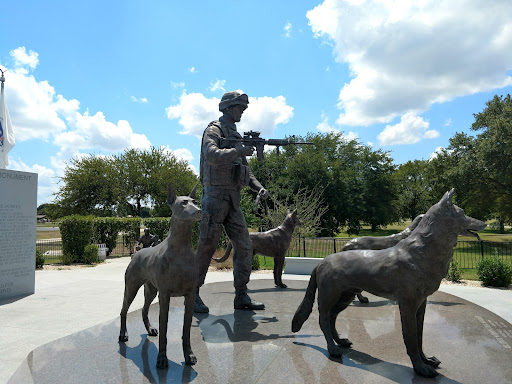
(304, 242)
(334, 243)
(481, 248)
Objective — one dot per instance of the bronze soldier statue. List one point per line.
(146, 240)
(224, 171)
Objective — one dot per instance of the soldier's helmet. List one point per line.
(233, 98)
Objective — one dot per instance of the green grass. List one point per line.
(266, 262)
(487, 234)
(44, 235)
(469, 274)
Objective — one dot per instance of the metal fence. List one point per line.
(467, 253)
(52, 250)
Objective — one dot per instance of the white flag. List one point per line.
(6, 133)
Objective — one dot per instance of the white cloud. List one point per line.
(94, 131)
(182, 154)
(325, 127)
(409, 130)
(176, 85)
(264, 114)
(22, 58)
(448, 122)
(287, 29)
(38, 112)
(31, 106)
(195, 111)
(436, 153)
(192, 70)
(217, 85)
(405, 56)
(138, 100)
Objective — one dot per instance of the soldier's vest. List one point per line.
(232, 176)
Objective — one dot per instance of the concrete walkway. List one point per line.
(69, 301)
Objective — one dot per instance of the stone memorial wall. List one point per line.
(18, 208)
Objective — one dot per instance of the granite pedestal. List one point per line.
(473, 344)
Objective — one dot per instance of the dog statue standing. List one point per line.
(169, 269)
(272, 243)
(369, 242)
(407, 273)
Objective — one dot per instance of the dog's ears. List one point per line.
(448, 196)
(294, 212)
(192, 194)
(171, 195)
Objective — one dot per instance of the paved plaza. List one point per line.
(67, 332)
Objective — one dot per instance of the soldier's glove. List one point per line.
(263, 193)
(244, 151)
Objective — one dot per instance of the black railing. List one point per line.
(467, 253)
(52, 250)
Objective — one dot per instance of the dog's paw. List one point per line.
(344, 343)
(334, 351)
(432, 361)
(152, 331)
(123, 337)
(161, 361)
(425, 370)
(190, 359)
(282, 285)
(363, 299)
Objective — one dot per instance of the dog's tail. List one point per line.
(305, 308)
(226, 255)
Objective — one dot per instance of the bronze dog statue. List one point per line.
(168, 268)
(272, 243)
(406, 273)
(383, 242)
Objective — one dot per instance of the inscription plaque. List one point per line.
(18, 208)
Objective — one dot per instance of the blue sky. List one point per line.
(403, 76)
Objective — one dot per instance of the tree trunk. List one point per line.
(502, 226)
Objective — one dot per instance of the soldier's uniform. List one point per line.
(223, 173)
(146, 240)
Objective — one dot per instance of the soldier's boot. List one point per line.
(199, 306)
(243, 301)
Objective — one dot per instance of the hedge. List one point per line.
(76, 232)
(158, 226)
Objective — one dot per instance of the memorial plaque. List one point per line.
(18, 208)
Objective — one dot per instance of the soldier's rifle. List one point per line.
(253, 139)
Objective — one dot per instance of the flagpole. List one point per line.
(7, 139)
(2, 80)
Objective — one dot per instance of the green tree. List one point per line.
(126, 184)
(479, 167)
(89, 186)
(356, 182)
(414, 189)
(494, 148)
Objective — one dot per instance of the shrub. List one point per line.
(91, 254)
(131, 231)
(158, 226)
(255, 263)
(106, 230)
(67, 258)
(39, 258)
(454, 273)
(494, 272)
(76, 233)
